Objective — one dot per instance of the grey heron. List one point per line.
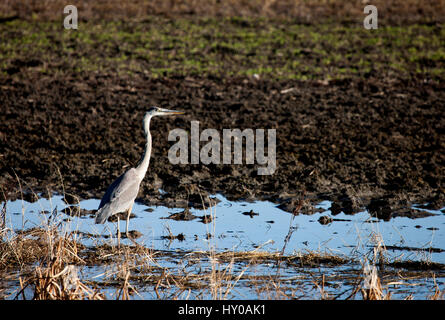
(121, 194)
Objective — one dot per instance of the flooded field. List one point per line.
(236, 250)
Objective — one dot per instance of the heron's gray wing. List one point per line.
(110, 190)
(119, 196)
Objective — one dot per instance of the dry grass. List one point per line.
(372, 288)
(58, 282)
(34, 245)
(221, 273)
(55, 277)
(438, 294)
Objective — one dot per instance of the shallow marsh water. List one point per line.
(258, 226)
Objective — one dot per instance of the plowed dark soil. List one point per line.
(364, 139)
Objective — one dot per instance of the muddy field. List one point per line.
(359, 115)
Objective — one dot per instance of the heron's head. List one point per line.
(156, 111)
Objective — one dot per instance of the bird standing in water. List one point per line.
(121, 194)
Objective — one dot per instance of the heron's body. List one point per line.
(121, 194)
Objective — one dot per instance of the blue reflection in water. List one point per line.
(230, 229)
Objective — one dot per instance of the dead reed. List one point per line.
(55, 278)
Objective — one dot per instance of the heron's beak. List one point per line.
(169, 112)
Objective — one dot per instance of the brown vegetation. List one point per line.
(303, 11)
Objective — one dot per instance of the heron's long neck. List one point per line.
(145, 160)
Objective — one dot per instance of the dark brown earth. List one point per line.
(372, 141)
(365, 141)
(396, 12)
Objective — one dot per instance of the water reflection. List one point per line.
(244, 226)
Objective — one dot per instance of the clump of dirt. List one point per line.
(325, 220)
(417, 265)
(120, 215)
(76, 211)
(250, 213)
(185, 215)
(386, 209)
(179, 236)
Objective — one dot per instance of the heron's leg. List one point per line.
(128, 220)
(118, 233)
